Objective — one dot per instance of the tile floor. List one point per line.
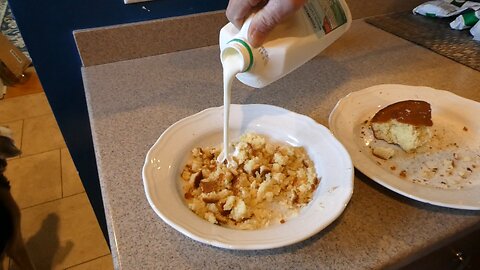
(58, 223)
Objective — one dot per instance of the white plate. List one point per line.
(449, 112)
(165, 161)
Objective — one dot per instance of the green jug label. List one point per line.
(325, 16)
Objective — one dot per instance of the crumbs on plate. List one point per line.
(442, 162)
(271, 183)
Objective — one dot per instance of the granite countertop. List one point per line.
(132, 102)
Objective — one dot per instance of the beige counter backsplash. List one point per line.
(110, 44)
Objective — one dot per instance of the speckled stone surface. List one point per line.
(134, 40)
(132, 102)
(109, 44)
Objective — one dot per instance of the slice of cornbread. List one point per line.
(406, 123)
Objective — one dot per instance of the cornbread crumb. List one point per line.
(383, 152)
(270, 184)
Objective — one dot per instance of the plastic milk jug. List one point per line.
(297, 40)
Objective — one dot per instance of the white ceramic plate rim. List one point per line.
(161, 175)
(358, 106)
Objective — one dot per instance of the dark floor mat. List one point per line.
(434, 34)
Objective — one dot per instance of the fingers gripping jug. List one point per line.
(292, 43)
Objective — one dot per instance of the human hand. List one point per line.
(270, 14)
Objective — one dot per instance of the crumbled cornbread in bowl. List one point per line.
(269, 185)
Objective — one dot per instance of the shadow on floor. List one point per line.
(44, 247)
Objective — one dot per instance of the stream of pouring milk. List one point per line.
(232, 64)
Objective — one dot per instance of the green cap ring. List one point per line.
(250, 53)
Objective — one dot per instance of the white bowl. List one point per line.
(165, 160)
